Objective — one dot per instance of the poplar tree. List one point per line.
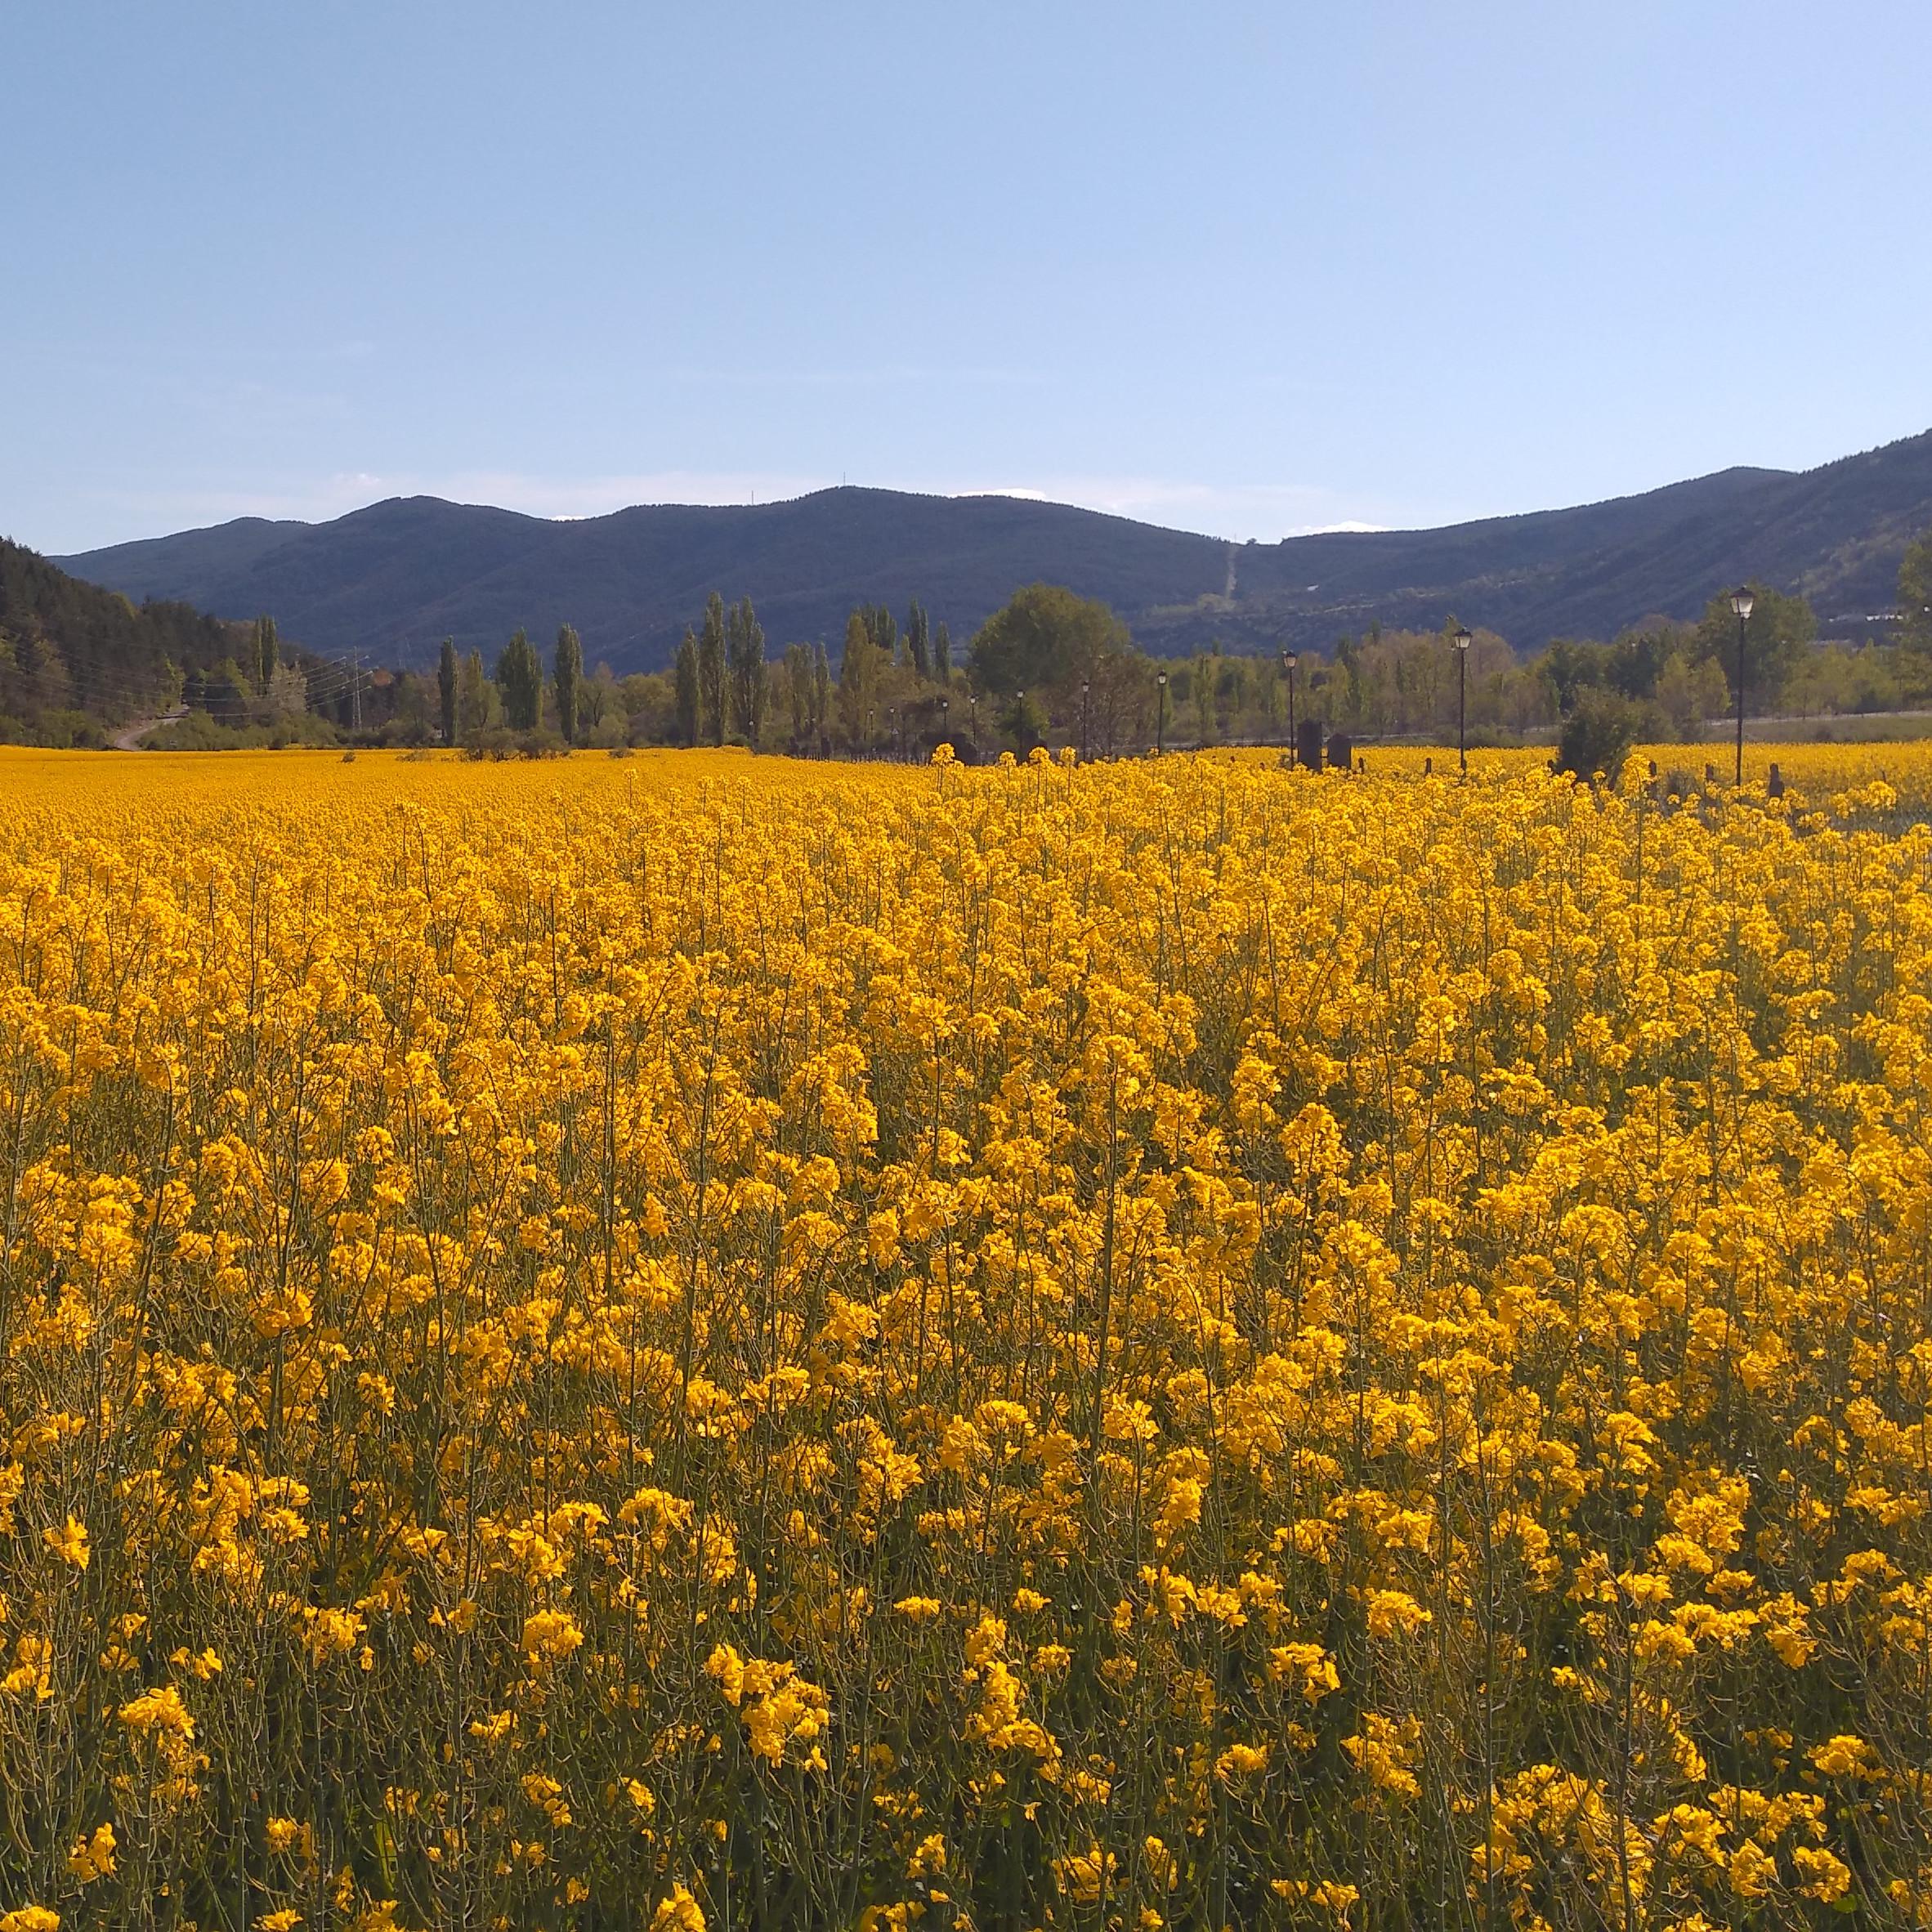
(684, 684)
(858, 680)
(266, 652)
(711, 669)
(918, 642)
(797, 680)
(519, 677)
(821, 690)
(472, 696)
(567, 672)
(446, 676)
(745, 650)
(942, 655)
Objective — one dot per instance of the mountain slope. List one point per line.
(393, 578)
(67, 645)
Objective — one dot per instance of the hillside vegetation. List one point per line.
(75, 658)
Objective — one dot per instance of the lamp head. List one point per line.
(1463, 639)
(1741, 600)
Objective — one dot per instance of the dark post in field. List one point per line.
(1462, 698)
(1741, 602)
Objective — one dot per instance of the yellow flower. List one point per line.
(1394, 1612)
(679, 1913)
(69, 1543)
(160, 1711)
(1845, 1756)
(92, 1858)
(550, 1636)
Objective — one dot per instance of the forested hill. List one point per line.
(68, 645)
(394, 579)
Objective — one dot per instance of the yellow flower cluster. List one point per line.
(686, 1340)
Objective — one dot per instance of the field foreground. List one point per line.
(681, 1342)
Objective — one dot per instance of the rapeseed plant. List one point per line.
(705, 1342)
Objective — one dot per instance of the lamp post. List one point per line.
(1290, 660)
(944, 735)
(1019, 718)
(1741, 600)
(1086, 691)
(1462, 698)
(1160, 721)
(973, 721)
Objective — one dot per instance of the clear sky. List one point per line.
(1243, 269)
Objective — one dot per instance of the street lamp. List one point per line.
(1462, 698)
(1019, 718)
(1160, 725)
(1290, 660)
(1741, 600)
(972, 721)
(1086, 688)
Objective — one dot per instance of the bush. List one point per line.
(498, 743)
(1597, 736)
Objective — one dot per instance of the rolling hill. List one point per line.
(394, 579)
(67, 645)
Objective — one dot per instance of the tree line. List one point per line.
(1049, 666)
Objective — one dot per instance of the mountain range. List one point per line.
(391, 580)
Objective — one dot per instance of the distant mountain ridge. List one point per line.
(394, 579)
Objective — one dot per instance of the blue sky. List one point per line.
(1239, 269)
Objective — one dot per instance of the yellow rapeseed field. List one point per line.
(688, 1342)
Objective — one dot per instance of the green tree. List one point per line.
(745, 652)
(447, 673)
(688, 701)
(821, 691)
(1914, 596)
(1044, 642)
(520, 678)
(266, 652)
(858, 681)
(1570, 670)
(1690, 694)
(567, 675)
(711, 669)
(883, 629)
(1597, 735)
(472, 696)
(798, 684)
(918, 642)
(1777, 634)
(942, 655)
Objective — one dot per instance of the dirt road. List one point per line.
(129, 738)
